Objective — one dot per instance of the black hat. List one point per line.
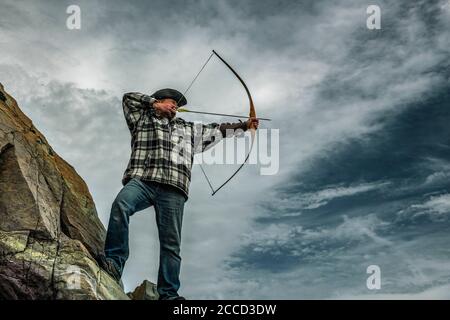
(170, 94)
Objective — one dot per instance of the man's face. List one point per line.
(170, 102)
(167, 107)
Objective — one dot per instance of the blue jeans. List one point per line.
(168, 201)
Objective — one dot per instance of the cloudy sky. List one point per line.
(364, 144)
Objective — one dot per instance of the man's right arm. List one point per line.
(134, 104)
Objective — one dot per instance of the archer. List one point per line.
(153, 178)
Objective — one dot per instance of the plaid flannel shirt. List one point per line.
(162, 150)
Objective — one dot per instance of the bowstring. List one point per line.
(207, 179)
(184, 94)
(195, 78)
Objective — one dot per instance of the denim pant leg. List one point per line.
(134, 196)
(169, 216)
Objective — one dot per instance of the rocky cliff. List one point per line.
(50, 234)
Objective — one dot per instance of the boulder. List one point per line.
(145, 291)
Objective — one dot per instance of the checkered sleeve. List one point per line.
(206, 136)
(134, 104)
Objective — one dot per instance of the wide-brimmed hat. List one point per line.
(170, 94)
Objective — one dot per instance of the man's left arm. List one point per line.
(212, 133)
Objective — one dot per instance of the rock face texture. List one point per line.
(50, 234)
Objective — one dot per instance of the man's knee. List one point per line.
(125, 200)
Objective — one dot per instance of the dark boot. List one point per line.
(110, 267)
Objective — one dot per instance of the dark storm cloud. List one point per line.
(400, 150)
(377, 197)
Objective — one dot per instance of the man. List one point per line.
(158, 174)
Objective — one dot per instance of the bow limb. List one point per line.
(252, 113)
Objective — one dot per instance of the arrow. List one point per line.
(217, 114)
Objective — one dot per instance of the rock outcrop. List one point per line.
(145, 291)
(50, 234)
